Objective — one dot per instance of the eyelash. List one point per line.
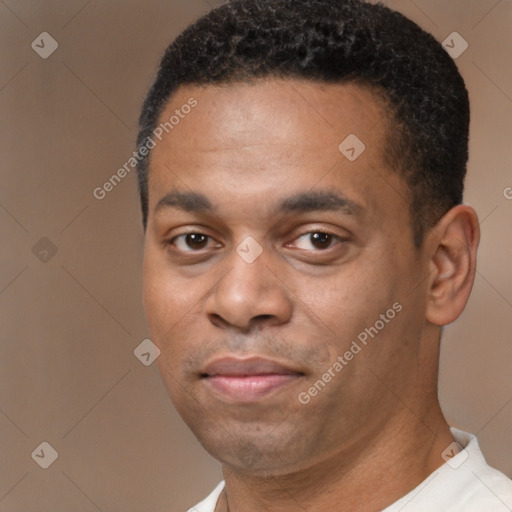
(183, 235)
(333, 236)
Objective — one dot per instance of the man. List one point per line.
(301, 178)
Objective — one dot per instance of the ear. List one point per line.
(454, 243)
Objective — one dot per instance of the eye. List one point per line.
(191, 242)
(316, 240)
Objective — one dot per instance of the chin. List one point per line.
(264, 452)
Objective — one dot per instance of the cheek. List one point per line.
(353, 298)
(168, 309)
(165, 298)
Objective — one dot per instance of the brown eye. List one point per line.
(316, 240)
(321, 240)
(190, 242)
(196, 241)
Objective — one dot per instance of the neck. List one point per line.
(367, 479)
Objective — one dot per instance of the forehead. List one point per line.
(274, 110)
(270, 136)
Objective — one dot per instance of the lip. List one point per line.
(248, 380)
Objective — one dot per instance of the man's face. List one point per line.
(268, 253)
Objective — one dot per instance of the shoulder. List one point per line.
(465, 483)
(210, 502)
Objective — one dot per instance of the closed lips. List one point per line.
(235, 367)
(243, 381)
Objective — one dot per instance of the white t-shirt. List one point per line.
(465, 483)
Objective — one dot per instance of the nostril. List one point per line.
(262, 318)
(217, 320)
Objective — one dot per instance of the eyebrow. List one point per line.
(314, 201)
(187, 201)
(304, 202)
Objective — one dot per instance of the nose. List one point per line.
(249, 295)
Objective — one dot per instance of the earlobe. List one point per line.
(455, 241)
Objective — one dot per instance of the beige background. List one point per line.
(70, 324)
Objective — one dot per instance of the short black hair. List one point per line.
(335, 41)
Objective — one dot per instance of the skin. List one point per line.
(376, 430)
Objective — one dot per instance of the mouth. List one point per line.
(248, 380)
